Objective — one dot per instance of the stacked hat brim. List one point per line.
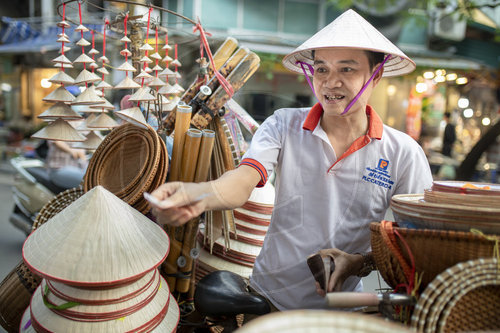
(450, 206)
(129, 162)
(99, 260)
(463, 298)
(246, 242)
(350, 30)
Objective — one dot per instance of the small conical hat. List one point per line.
(75, 246)
(63, 65)
(167, 59)
(156, 83)
(177, 88)
(155, 56)
(146, 47)
(157, 68)
(83, 58)
(103, 121)
(58, 130)
(63, 24)
(176, 63)
(83, 42)
(62, 59)
(86, 76)
(60, 110)
(166, 47)
(127, 83)
(146, 60)
(125, 39)
(93, 51)
(167, 89)
(106, 105)
(83, 126)
(125, 52)
(148, 70)
(126, 66)
(104, 59)
(134, 116)
(65, 49)
(62, 35)
(167, 72)
(103, 70)
(82, 28)
(350, 30)
(63, 40)
(91, 142)
(93, 65)
(143, 74)
(141, 95)
(104, 85)
(177, 75)
(88, 96)
(59, 95)
(62, 78)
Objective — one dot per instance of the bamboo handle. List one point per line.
(190, 155)
(351, 299)
(181, 127)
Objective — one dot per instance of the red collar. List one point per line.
(375, 124)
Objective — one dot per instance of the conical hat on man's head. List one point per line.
(98, 240)
(350, 30)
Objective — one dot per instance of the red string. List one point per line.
(125, 29)
(93, 45)
(62, 44)
(176, 67)
(225, 85)
(147, 38)
(106, 22)
(156, 50)
(81, 32)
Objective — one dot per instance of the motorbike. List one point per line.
(31, 191)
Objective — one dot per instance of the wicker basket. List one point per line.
(433, 251)
(15, 294)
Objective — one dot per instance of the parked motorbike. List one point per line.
(31, 191)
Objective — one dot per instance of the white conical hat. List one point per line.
(93, 51)
(63, 39)
(166, 89)
(83, 42)
(146, 47)
(126, 66)
(62, 78)
(83, 58)
(157, 68)
(83, 126)
(63, 65)
(142, 95)
(127, 83)
(167, 72)
(167, 58)
(63, 24)
(97, 240)
(65, 49)
(146, 60)
(59, 130)
(125, 52)
(102, 121)
(103, 70)
(176, 62)
(134, 116)
(59, 95)
(81, 28)
(86, 76)
(156, 83)
(125, 39)
(60, 110)
(350, 30)
(91, 142)
(143, 74)
(62, 59)
(155, 56)
(103, 59)
(176, 88)
(88, 96)
(166, 47)
(104, 85)
(106, 105)
(93, 65)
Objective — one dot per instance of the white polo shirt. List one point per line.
(323, 201)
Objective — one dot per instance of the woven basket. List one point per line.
(16, 289)
(15, 294)
(433, 250)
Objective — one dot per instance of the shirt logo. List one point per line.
(379, 175)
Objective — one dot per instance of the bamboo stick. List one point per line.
(181, 127)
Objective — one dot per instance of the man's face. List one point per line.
(339, 74)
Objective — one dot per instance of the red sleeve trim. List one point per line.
(260, 169)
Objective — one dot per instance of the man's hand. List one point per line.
(345, 265)
(179, 202)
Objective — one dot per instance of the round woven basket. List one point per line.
(17, 287)
(433, 251)
(464, 297)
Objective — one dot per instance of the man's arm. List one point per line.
(180, 202)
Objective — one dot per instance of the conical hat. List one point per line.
(82, 28)
(143, 74)
(86, 76)
(65, 49)
(146, 47)
(62, 78)
(157, 68)
(62, 34)
(63, 24)
(63, 39)
(166, 47)
(263, 195)
(103, 59)
(134, 116)
(103, 70)
(93, 65)
(125, 52)
(88, 96)
(127, 83)
(141, 95)
(104, 85)
(59, 130)
(126, 66)
(59, 95)
(97, 240)
(167, 59)
(60, 110)
(156, 83)
(83, 42)
(83, 126)
(106, 105)
(93, 51)
(177, 88)
(125, 39)
(63, 65)
(350, 30)
(146, 60)
(61, 59)
(91, 142)
(102, 121)
(167, 72)
(176, 62)
(83, 58)
(155, 56)
(167, 89)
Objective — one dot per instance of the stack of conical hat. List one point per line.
(58, 115)
(245, 244)
(99, 260)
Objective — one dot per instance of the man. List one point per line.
(449, 135)
(337, 167)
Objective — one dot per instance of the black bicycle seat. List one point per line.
(223, 293)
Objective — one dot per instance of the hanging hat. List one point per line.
(60, 110)
(98, 240)
(104, 85)
(104, 106)
(127, 83)
(102, 121)
(142, 95)
(62, 78)
(83, 58)
(156, 82)
(61, 94)
(91, 142)
(350, 30)
(58, 130)
(103, 70)
(103, 59)
(62, 59)
(126, 66)
(134, 116)
(88, 96)
(86, 76)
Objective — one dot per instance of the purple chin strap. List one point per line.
(311, 70)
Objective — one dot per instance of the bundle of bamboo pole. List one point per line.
(192, 156)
